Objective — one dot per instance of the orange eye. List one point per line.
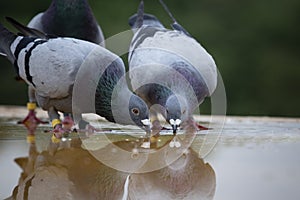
(135, 111)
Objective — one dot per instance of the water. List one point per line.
(255, 158)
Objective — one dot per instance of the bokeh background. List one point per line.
(255, 44)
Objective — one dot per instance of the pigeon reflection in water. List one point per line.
(67, 171)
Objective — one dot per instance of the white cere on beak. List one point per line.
(172, 121)
(146, 122)
(178, 122)
(175, 122)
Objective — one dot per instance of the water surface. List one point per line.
(255, 158)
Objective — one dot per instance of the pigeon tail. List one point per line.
(140, 18)
(26, 31)
(175, 25)
(140, 15)
(6, 39)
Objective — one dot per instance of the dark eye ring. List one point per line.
(135, 111)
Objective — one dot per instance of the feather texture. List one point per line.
(169, 46)
(73, 18)
(170, 68)
(51, 66)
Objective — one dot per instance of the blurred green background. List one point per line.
(255, 44)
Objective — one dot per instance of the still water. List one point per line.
(254, 158)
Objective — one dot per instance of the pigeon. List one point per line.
(73, 18)
(74, 172)
(188, 177)
(67, 171)
(50, 65)
(169, 69)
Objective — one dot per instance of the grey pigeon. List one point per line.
(188, 177)
(169, 69)
(67, 171)
(64, 18)
(50, 65)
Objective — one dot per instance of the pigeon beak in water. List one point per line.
(174, 127)
(175, 124)
(147, 125)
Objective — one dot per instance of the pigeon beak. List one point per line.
(175, 124)
(147, 125)
(174, 127)
(148, 129)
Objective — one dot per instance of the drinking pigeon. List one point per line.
(169, 69)
(50, 65)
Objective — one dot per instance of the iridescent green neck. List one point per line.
(69, 7)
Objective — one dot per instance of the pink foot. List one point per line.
(31, 122)
(201, 128)
(68, 123)
(198, 126)
(58, 131)
(165, 128)
(191, 125)
(90, 130)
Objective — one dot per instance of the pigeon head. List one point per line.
(176, 111)
(148, 20)
(139, 112)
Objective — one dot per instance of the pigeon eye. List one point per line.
(135, 111)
